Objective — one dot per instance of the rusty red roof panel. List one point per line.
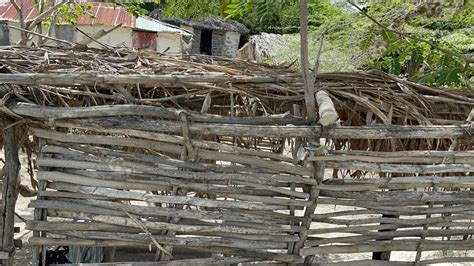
(105, 14)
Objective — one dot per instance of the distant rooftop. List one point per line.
(105, 14)
(211, 23)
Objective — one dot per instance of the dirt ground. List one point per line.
(23, 255)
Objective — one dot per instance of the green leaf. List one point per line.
(451, 76)
(396, 67)
(417, 54)
(388, 36)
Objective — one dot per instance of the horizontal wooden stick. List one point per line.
(385, 220)
(85, 177)
(401, 210)
(434, 197)
(397, 263)
(147, 144)
(94, 79)
(395, 245)
(62, 194)
(48, 113)
(288, 131)
(97, 154)
(182, 213)
(367, 229)
(428, 157)
(180, 241)
(123, 221)
(367, 184)
(141, 196)
(255, 255)
(401, 168)
(95, 226)
(82, 180)
(128, 167)
(272, 256)
(389, 235)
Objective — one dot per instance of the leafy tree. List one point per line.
(427, 53)
(194, 9)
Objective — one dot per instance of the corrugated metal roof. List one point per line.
(105, 14)
(145, 23)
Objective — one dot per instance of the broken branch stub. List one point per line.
(327, 112)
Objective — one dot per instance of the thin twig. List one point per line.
(318, 57)
(143, 227)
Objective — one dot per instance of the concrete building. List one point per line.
(125, 30)
(212, 36)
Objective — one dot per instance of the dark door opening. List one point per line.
(206, 42)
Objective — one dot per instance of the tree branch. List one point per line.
(466, 59)
(23, 35)
(45, 14)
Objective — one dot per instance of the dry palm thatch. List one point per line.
(227, 87)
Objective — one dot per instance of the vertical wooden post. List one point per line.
(308, 81)
(10, 188)
(40, 215)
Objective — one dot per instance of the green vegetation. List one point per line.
(431, 41)
(352, 41)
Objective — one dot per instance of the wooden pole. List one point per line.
(10, 188)
(308, 81)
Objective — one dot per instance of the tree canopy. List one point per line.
(413, 43)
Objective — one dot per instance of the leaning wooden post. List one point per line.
(318, 175)
(10, 188)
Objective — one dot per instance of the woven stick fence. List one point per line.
(137, 149)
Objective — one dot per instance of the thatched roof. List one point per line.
(74, 78)
(262, 46)
(211, 23)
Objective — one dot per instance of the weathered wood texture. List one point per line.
(10, 184)
(121, 157)
(430, 203)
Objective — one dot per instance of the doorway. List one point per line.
(206, 42)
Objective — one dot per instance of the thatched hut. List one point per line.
(211, 36)
(262, 48)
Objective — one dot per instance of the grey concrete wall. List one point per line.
(4, 33)
(231, 43)
(218, 40)
(195, 47)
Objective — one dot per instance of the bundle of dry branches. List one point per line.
(68, 78)
(205, 141)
